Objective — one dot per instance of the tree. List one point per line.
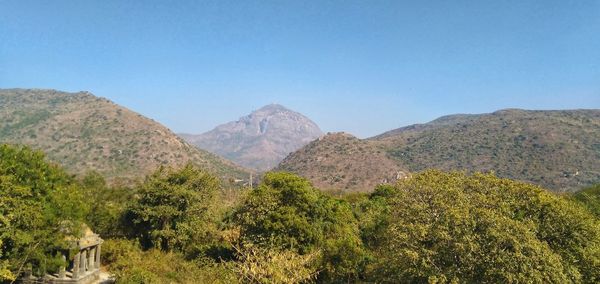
(372, 211)
(107, 204)
(175, 209)
(40, 206)
(286, 213)
(452, 227)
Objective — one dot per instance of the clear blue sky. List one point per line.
(358, 66)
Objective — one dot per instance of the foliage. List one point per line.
(5, 273)
(107, 205)
(175, 209)
(39, 207)
(130, 264)
(432, 227)
(286, 213)
(261, 265)
(372, 211)
(590, 197)
(451, 227)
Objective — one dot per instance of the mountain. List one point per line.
(559, 150)
(340, 161)
(84, 132)
(261, 139)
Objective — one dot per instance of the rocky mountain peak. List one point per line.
(261, 139)
(272, 108)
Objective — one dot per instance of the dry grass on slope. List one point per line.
(340, 161)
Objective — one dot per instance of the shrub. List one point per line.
(261, 265)
(130, 264)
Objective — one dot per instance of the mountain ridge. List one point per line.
(557, 149)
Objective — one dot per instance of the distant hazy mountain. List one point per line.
(261, 139)
(559, 150)
(83, 132)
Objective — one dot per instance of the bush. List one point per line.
(130, 264)
(261, 265)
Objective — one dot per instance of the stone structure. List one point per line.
(82, 268)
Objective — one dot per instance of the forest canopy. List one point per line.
(179, 225)
(448, 227)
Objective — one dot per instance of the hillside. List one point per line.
(340, 161)
(261, 139)
(84, 132)
(559, 150)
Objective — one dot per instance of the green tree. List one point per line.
(286, 213)
(174, 209)
(452, 227)
(40, 206)
(373, 212)
(107, 204)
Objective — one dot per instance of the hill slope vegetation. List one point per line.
(340, 161)
(556, 149)
(84, 132)
(431, 227)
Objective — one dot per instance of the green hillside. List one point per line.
(84, 132)
(559, 150)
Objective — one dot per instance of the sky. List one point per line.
(363, 67)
